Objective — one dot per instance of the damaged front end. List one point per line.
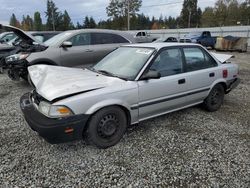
(14, 59)
(17, 64)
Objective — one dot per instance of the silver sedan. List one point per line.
(131, 84)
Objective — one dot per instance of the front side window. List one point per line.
(80, 39)
(196, 59)
(125, 62)
(168, 62)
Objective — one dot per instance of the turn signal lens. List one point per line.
(60, 111)
(63, 110)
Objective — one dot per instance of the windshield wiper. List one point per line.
(111, 74)
(106, 73)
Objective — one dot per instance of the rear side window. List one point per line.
(196, 59)
(107, 38)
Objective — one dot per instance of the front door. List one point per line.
(80, 54)
(157, 96)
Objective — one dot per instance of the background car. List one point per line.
(74, 48)
(142, 36)
(13, 46)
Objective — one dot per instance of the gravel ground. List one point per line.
(189, 148)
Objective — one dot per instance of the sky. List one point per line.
(78, 9)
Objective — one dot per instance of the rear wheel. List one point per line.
(215, 98)
(106, 127)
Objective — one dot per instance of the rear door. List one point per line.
(201, 71)
(104, 43)
(80, 54)
(156, 96)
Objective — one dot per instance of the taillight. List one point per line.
(225, 73)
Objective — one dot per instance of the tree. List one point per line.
(78, 26)
(14, 22)
(208, 17)
(54, 17)
(27, 23)
(92, 23)
(245, 12)
(221, 12)
(190, 15)
(86, 23)
(67, 24)
(118, 9)
(155, 26)
(38, 25)
(233, 13)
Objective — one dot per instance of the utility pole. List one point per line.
(128, 14)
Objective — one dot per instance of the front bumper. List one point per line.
(231, 84)
(53, 130)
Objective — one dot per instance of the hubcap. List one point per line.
(215, 98)
(108, 126)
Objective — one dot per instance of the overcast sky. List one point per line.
(78, 9)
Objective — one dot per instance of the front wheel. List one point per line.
(107, 127)
(215, 98)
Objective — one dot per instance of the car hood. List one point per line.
(53, 82)
(20, 33)
(222, 57)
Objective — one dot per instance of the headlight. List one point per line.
(16, 57)
(54, 111)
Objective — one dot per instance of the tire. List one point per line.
(106, 127)
(215, 98)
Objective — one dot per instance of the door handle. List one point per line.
(89, 50)
(211, 74)
(182, 81)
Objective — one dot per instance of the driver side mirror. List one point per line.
(151, 74)
(67, 44)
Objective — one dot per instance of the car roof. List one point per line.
(124, 34)
(161, 45)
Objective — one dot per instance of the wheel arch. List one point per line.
(222, 82)
(125, 109)
(104, 104)
(43, 61)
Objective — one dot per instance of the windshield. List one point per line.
(125, 62)
(52, 41)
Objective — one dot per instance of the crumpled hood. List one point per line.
(54, 82)
(222, 57)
